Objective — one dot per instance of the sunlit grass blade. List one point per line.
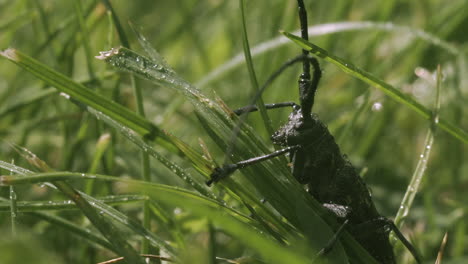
(82, 94)
(372, 80)
(418, 174)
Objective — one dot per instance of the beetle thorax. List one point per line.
(297, 129)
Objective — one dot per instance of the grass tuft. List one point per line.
(108, 159)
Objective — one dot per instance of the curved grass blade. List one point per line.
(372, 80)
(270, 250)
(90, 207)
(138, 186)
(32, 178)
(67, 225)
(326, 29)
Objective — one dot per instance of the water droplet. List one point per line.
(377, 106)
(65, 95)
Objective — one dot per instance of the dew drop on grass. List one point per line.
(377, 106)
(65, 95)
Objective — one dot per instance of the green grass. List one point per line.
(129, 139)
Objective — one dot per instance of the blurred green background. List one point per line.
(403, 46)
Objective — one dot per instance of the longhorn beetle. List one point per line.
(318, 163)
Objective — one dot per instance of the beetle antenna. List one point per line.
(305, 36)
(307, 87)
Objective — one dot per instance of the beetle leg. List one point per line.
(388, 224)
(331, 243)
(227, 169)
(253, 108)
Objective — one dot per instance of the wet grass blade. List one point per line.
(418, 174)
(13, 209)
(35, 206)
(59, 221)
(372, 80)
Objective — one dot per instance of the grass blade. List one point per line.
(34, 206)
(252, 75)
(418, 174)
(322, 30)
(74, 229)
(370, 79)
(82, 94)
